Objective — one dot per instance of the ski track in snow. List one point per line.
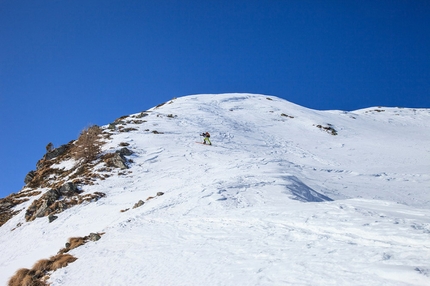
(275, 201)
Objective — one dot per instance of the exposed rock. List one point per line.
(51, 196)
(329, 129)
(56, 152)
(60, 151)
(5, 205)
(40, 163)
(286, 115)
(124, 151)
(142, 114)
(122, 129)
(58, 206)
(138, 204)
(51, 218)
(49, 147)
(160, 193)
(94, 236)
(117, 160)
(29, 177)
(40, 212)
(68, 189)
(6, 208)
(40, 207)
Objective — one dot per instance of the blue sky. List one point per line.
(67, 64)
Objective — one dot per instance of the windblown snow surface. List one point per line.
(277, 200)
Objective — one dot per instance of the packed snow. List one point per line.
(276, 200)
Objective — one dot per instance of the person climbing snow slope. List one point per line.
(206, 139)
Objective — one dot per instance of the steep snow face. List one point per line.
(284, 196)
(385, 151)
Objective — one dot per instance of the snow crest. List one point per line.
(278, 199)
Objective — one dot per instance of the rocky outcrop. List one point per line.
(52, 217)
(117, 159)
(29, 177)
(39, 207)
(138, 204)
(124, 151)
(69, 189)
(57, 200)
(6, 210)
(94, 236)
(41, 270)
(59, 152)
(45, 201)
(9, 205)
(329, 129)
(56, 152)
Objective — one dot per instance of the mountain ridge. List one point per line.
(269, 156)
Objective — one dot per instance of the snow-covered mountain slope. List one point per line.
(285, 196)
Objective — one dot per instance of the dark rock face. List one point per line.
(46, 200)
(56, 152)
(125, 151)
(68, 189)
(53, 153)
(49, 202)
(51, 196)
(51, 218)
(29, 177)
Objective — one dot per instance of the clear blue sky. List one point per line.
(65, 64)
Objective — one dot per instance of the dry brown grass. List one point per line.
(88, 145)
(42, 266)
(31, 280)
(39, 274)
(28, 193)
(18, 277)
(62, 260)
(43, 174)
(76, 242)
(44, 171)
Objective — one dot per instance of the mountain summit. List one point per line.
(285, 195)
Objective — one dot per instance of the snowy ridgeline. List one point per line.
(284, 196)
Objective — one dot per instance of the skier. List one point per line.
(206, 139)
